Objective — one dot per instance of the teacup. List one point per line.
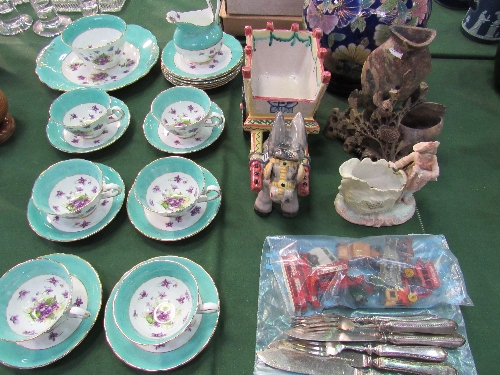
(71, 189)
(35, 298)
(85, 112)
(172, 186)
(97, 39)
(184, 110)
(156, 301)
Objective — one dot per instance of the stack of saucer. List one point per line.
(161, 313)
(49, 305)
(217, 72)
(173, 198)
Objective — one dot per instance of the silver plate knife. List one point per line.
(293, 361)
(454, 340)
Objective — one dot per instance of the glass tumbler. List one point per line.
(11, 21)
(88, 7)
(49, 23)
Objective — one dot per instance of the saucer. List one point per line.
(164, 140)
(204, 85)
(173, 228)
(17, 356)
(227, 61)
(63, 140)
(59, 68)
(65, 229)
(163, 361)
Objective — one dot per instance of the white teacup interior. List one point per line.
(83, 114)
(182, 113)
(160, 307)
(172, 192)
(97, 37)
(37, 304)
(73, 193)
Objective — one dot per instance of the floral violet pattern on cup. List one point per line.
(75, 70)
(73, 193)
(160, 306)
(37, 304)
(172, 191)
(182, 113)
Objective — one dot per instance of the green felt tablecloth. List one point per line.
(463, 204)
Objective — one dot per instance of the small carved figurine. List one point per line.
(420, 167)
(284, 170)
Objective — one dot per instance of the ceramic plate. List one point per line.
(163, 140)
(59, 68)
(13, 355)
(204, 85)
(148, 361)
(164, 228)
(63, 140)
(102, 216)
(229, 58)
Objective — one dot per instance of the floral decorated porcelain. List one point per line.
(184, 111)
(352, 29)
(177, 351)
(58, 342)
(62, 69)
(164, 228)
(98, 40)
(163, 140)
(156, 301)
(223, 67)
(72, 189)
(172, 187)
(66, 141)
(55, 228)
(198, 36)
(37, 298)
(85, 112)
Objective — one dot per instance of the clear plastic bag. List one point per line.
(320, 272)
(275, 308)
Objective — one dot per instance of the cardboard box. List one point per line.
(265, 7)
(235, 24)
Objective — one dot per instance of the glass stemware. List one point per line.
(11, 21)
(49, 23)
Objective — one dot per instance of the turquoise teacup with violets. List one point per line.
(71, 189)
(98, 40)
(85, 112)
(172, 186)
(36, 297)
(156, 301)
(184, 110)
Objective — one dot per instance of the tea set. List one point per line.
(49, 305)
(160, 314)
(125, 54)
(200, 53)
(173, 198)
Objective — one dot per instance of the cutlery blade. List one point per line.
(289, 360)
(351, 364)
